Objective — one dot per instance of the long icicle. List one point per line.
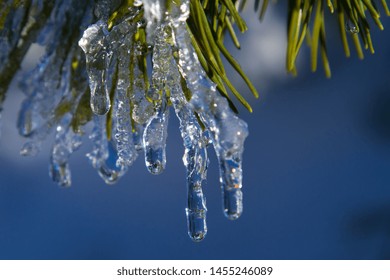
(227, 130)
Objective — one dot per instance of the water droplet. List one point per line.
(351, 27)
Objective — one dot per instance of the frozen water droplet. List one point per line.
(109, 170)
(351, 27)
(30, 149)
(154, 160)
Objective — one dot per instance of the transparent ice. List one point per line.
(195, 156)
(85, 61)
(142, 110)
(154, 139)
(50, 84)
(66, 142)
(104, 155)
(127, 153)
(98, 57)
(228, 132)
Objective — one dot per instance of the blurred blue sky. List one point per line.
(316, 174)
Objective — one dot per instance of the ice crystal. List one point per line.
(94, 70)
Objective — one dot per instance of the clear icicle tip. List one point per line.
(233, 203)
(196, 223)
(60, 173)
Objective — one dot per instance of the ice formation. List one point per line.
(103, 81)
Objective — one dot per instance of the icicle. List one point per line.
(99, 45)
(104, 155)
(142, 110)
(227, 130)
(123, 130)
(166, 77)
(195, 156)
(36, 117)
(49, 82)
(155, 134)
(97, 56)
(44, 91)
(155, 137)
(66, 142)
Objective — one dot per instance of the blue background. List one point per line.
(316, 174)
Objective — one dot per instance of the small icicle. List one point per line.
(155, 137)
(49, 83)
(66, 142)
(127, 153)
(155, 134)
(104, 155)
(97, 57)
(227, 130)
(142, 110)
(37, 116)
(44, 86)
